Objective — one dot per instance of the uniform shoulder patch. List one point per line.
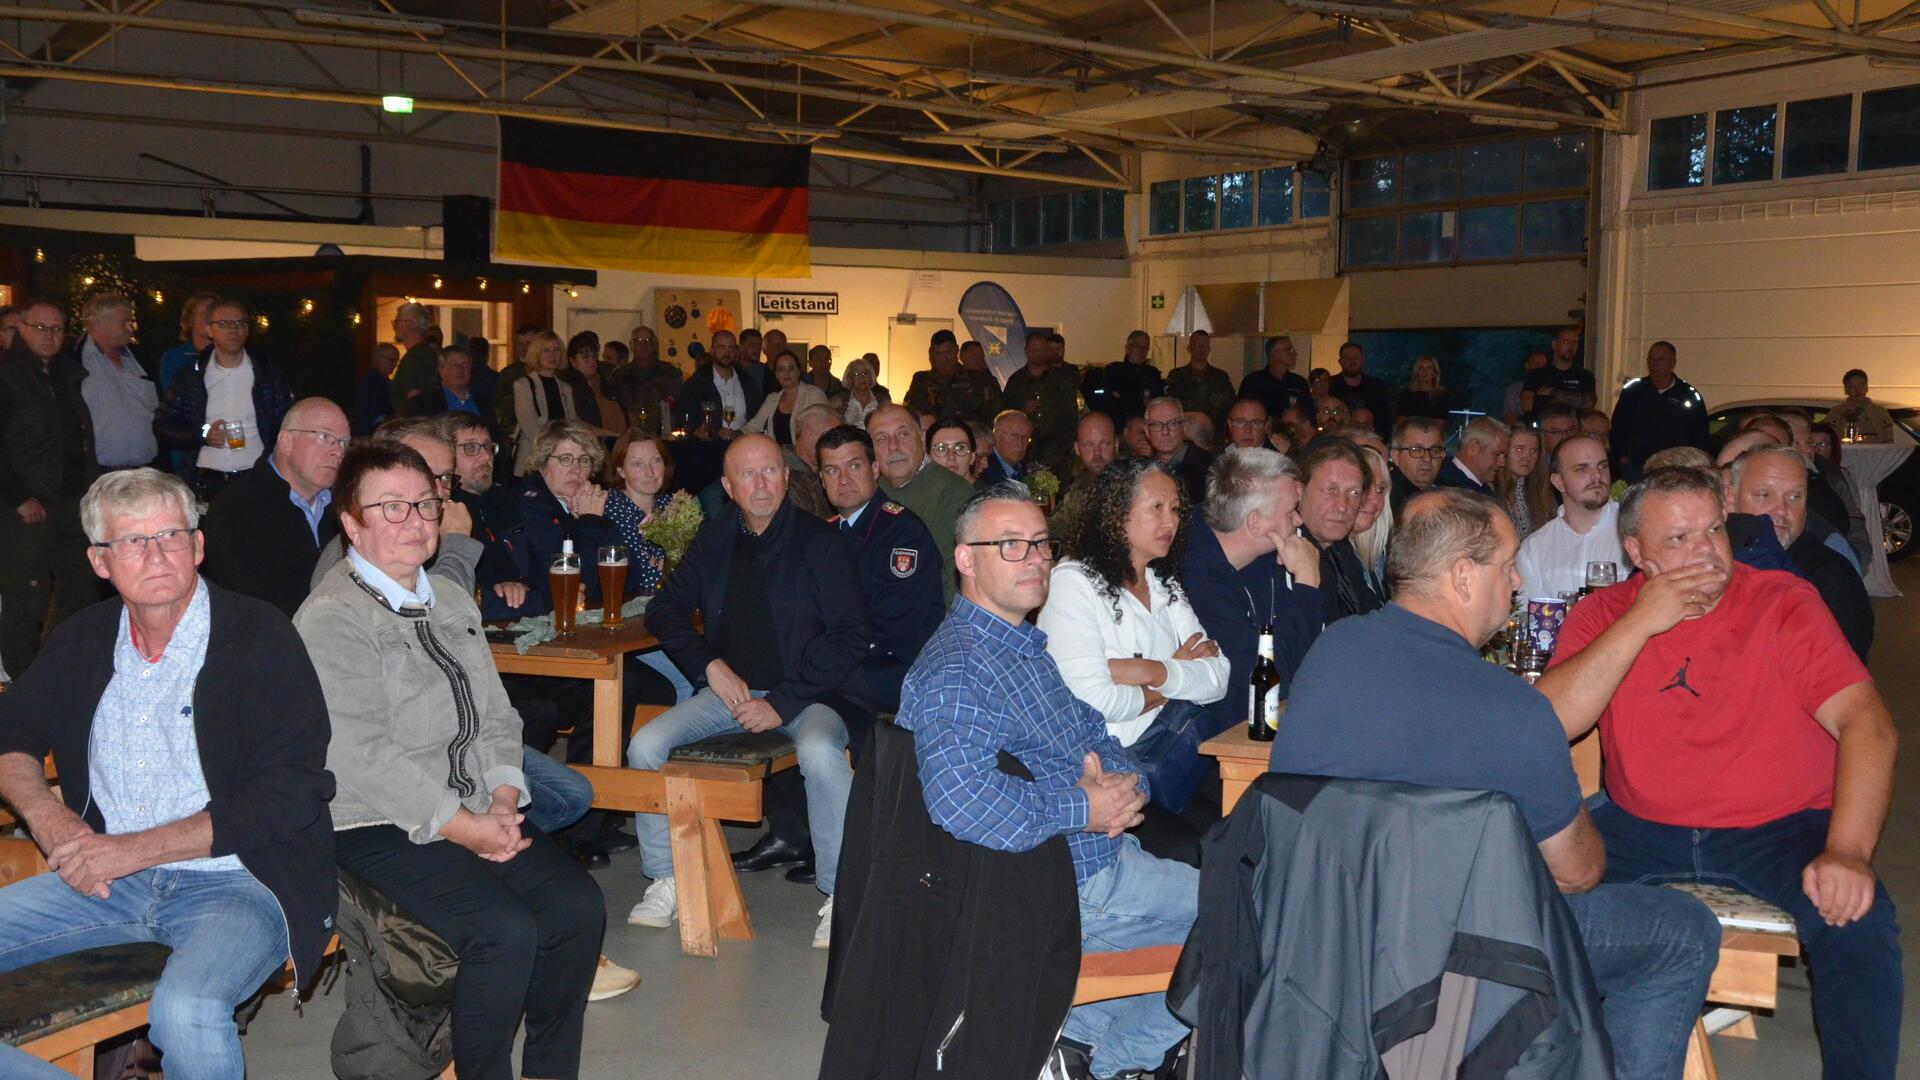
(904, 562)
(893, 508)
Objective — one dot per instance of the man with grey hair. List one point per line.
(985, 686)
(1746, 743)
(1555, 556)
(189, 732)
(803, 463)
(1483, 450)
(419, 360)
(119, 393)
(1768, 486)
(266, 528)
(1248, 569)
(1436, 714)
(1167, 435)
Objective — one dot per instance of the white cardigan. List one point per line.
(806, 394)
(1082, 635)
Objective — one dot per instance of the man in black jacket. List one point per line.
(46, 463)
(785, 628)
(1336, 477)
(265, 530)
(1654, 413)
(225, 410)
(719, 384)
(190, 735)
(1360, 390)
(1483, 450)
(1772, 480)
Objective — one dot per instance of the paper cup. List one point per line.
(1544, 616)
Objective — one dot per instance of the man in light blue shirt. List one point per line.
(117, 390)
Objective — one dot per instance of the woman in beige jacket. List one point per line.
(775, 418)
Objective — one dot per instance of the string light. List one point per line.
(573, 293)
(87, 281)
(260, 321)
(356, 318)
(525, 288)
(158, 296)
(437, 283)
(306, 307)
(483, 284)
(39, 255)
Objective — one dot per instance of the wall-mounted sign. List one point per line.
(799, 303)
(1159, 301)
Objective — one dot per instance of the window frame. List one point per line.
(1296, 194)
(1781, 102)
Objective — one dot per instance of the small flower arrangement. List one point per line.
(674, 527)
(1044, 485)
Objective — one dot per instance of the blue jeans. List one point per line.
(819, 740)
(1855, 969)
(1136, 901)
(225, 929)
(1651, 951)
(560, 795)
(657, 660)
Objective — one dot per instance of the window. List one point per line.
(1113, 214)
(1557, 162)
(1558, 227)
(1236, 200)
(1488, 169)
(1426, 237)
(1202, 203)
(1677, 152)
(1373, 182)
(1743, 144)
(1370, 241)
(1163, 208)
(1316, 195)
(1026, 222)
(1276, 196)
(1817, 132)
(1890, 128)
(1054, 225)
(1086, 215)
(1431, 176)
(1490, 232)
(1001, 215)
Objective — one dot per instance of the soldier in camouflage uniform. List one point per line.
(1050, 396)
(646, 385)
(1199, 385)
(951, 390)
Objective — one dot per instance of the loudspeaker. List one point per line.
(467, 221)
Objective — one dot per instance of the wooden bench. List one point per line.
(700, 786)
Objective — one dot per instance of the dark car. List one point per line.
(1899, 492)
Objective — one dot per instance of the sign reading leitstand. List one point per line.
(799, 303)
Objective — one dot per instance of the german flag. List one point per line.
(622, 200)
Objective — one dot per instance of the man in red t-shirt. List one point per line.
(1744, 744)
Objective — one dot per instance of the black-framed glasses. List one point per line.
(478, 449)
(327, 439)
(568, 461)
(397, 511)
(134, 547)
(1017, 551)
(1428, 452)
(228, 324)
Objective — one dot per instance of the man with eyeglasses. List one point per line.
(227, 408)
(915, 481)
(119, 393)
(1419, 446)
(190, 733)
(418, 357)
(46, 463)
(785, 628)
(985, 686)
(1012, 441)
(1167, 435)
(1559, 422)
(265, 530)
(1336, 478)
(1247, 424)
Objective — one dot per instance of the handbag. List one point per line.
(1168, 753)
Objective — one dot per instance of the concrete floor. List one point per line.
(754, 1011)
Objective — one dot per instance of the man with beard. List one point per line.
(1555, 556)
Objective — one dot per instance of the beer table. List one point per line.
(1242, 761)
(590, 652)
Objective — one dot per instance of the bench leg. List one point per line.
(726, 903)
(690, 865)
(1741, 1029)
(609, 727)
(1699, 1065)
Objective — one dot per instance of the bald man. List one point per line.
(265, 529)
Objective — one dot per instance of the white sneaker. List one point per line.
(823, 934)
(659, 907)
(610, 980)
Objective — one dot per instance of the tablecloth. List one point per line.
(1868, 464)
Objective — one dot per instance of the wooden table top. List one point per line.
(588, 642)
(1233, 744)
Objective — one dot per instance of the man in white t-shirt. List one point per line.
(1554, 558)
(231, 440)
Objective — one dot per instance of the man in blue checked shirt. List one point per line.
(984, 683)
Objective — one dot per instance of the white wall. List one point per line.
(1767, 289)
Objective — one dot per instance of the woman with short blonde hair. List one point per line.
(540, 397)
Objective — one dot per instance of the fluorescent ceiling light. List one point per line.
(805, 131)
(1044, 82)
(1515, 122)
(396, 103)
(1340, 7)
(348, 21)
(1034, 146)
(710, 52)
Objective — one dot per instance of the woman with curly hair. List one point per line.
(1118, 623)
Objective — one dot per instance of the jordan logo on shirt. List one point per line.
(1680, 680)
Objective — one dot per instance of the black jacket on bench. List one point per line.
(261, 723)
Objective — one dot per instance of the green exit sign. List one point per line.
(1159, 301)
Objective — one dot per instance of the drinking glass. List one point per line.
(1601, 574)
(563, 575)
(612, 560)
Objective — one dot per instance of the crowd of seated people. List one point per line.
(862, 562)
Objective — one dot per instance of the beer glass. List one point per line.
(564, 578)
(612, 561)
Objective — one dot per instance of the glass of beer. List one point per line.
(613, 585)
(729, 416)
(563, 576)
(236, 436)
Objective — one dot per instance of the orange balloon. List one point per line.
(718, 319)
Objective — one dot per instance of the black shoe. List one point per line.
(802, 874)
(613, 840)
(769, 853)
(591, 859)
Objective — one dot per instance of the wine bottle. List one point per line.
(1263, 693)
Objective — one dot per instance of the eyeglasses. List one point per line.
(1017, 551)
(1428, 452)
(228, 324)
(134, 547)
(448, 481)
(1166, 425)
(326, 439)
(952, 449)
(478, 449)
(398, 511)
(44, 328)
(568, 461)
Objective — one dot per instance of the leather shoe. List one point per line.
(770, 853)
(802, 874)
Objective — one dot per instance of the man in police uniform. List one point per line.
(1655, 413)
(897, 564)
